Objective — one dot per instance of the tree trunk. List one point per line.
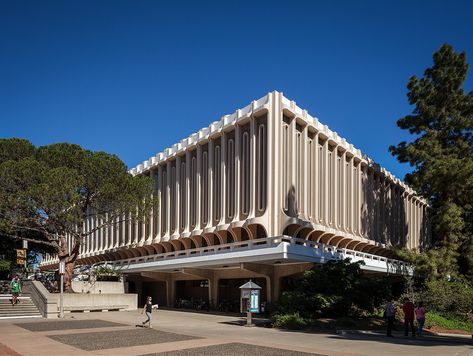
(69, 260)
(68, 276)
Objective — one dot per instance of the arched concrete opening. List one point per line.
(133, 252)
(158, 248)
(122, 255)
(360, 246)
(199, 241)
(370, 249)
(315, 235)
(336, 240)
(212, 239)
(109, 257)
(93, 259)
(325, 238)
(291, 230)
(149, 250)
(188, 243)
(343, 243)
(352, 244)
(226, 236)
(142, 251)
(177, 245)
(241, 234)
(304, 232)
(168, 247)
(257, 231)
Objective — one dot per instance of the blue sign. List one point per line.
(254, 301)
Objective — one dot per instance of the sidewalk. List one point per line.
(181, 333)
(437, 337)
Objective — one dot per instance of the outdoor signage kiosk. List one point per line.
(250, 300)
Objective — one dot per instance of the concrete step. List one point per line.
(25, 309)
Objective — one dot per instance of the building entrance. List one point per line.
(192, 294)
(155, 290)
(229, 293)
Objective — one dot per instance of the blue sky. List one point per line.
(134, 77)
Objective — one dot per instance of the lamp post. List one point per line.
(62, 268)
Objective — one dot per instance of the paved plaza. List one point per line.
(176, 333)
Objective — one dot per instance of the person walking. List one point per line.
(390, 315)
(408, 308)
(420, 316)
(148, 309)
(15, 290)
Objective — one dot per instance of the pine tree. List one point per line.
(442, 158)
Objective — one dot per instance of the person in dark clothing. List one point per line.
(148, 309)
(408, 308)
(390, 315)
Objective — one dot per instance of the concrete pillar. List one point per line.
(237, 162)
(170, 292)
(178, 194)
(213, 291)
(198, 185)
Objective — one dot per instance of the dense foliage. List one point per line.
(441, 155)
(337, 288)
(450, 298)
(47, 193)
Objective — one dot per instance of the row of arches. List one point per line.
(339, 241)
(235, 234)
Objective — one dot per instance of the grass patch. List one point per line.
(434, 319)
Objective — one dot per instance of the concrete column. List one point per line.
(236, 216)
(315, 172)
(326, 212)
(168, 200)
(213, 291)
(157, 236)
(335, 187)
(198, 197)
(188, 191)
(351, 209)
(274, 150)
(170, 292)
(305, 199)
(178, 193)
(223, 180)
(343, 209)
(210, 187)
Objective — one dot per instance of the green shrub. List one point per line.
(334, 289)
(433, 319)
(106, 274)
(4, 265)
(291, 321)
(448, 297)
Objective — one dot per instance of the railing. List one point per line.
(204, 251)
(327, 251)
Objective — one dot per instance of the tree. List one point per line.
(335, 288)
(442, 157)
(47, 193)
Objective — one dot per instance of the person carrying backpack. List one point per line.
(15, 290)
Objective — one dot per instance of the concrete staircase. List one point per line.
(24, 309)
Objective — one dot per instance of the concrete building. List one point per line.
(265, 193)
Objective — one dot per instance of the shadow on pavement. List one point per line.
(427, 341)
